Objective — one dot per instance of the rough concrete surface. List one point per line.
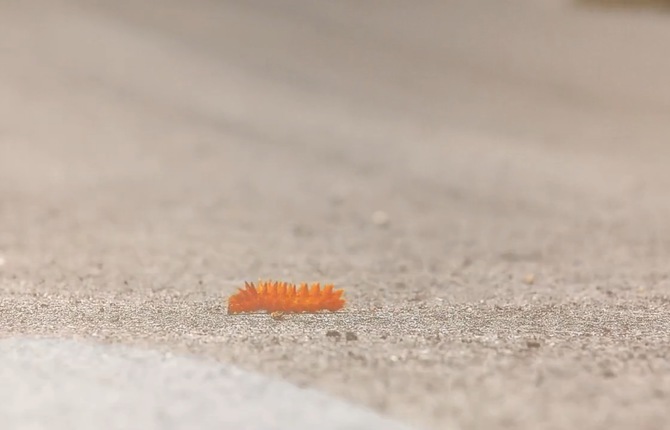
(487, 180)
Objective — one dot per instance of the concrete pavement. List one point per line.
(155, 155)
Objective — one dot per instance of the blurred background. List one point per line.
(132, 121)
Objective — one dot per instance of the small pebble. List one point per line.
(529, 279)
(333, 333)
(380, 218)
(609, 373)
(533, 344)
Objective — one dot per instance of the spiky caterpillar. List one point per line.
(284, 297)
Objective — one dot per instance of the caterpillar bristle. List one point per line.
(284, 297)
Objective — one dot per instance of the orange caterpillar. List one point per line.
(284, 297)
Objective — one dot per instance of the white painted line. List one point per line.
(68, 385)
